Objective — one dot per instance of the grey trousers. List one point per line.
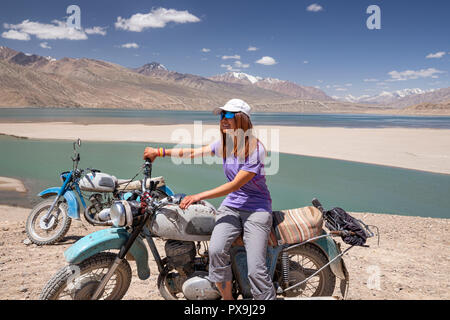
(230, 223)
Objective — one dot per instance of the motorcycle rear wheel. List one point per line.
(57, 228)
(303, 262)
(79, 282)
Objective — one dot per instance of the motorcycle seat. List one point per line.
(123, 185)
(292, 226)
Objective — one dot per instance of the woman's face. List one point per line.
(227, 124)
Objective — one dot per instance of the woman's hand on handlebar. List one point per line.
(150, 153)
(188, 200)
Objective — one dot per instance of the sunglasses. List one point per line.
(227, 114)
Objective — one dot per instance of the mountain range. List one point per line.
(401, 98)
(29, 80)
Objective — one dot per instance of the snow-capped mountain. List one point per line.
(237, 77)
(273, 84)
(151, 68)
(384, 97)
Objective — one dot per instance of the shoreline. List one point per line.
(12, 185)
(370, 111)
(406, 148)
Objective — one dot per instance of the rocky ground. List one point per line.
(411, 262)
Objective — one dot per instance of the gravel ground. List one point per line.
(411, 262)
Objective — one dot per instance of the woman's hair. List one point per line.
(240, 142)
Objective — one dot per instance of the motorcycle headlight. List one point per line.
(120, 214)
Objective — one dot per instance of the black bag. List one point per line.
(337, 219)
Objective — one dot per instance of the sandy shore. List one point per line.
(419, 149)
(10, 184)
(411, 262)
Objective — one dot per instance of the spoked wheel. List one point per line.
(79, 282)
(43, 232)
(168, 284)
(304, 261)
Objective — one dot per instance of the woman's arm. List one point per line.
(152, 153)
(242, 178)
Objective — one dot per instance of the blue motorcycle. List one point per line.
(99, 263)
(50, 220)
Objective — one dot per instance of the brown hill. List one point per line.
(430, 108)
(31, 80)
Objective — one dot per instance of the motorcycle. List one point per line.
(99, 263)
(50, 220)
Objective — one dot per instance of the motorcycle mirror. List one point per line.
(79, 142)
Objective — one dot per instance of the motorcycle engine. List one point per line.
(180, 256)
(193, 284)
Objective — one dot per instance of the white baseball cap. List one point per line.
(235, 105)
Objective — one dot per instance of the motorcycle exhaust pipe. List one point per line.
(103, 216)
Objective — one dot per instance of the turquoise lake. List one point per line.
(350, 185)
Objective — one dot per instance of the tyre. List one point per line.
(42, 233)
(79, 282)
(167, 284)
(303, 262)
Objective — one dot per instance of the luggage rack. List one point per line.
(331, 233)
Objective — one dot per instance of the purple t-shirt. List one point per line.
(254, 195)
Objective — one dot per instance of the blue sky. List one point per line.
(329, 47)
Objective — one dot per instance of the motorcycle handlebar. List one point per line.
(316, 203)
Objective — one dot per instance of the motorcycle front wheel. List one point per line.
(79, 282)
(54, 230)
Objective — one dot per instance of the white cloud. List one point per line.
(268, 61)
(341, 89)
(436, 55)
(229, 67)
(44, 31)
(16, 35)
(206, 50)
(44, 45)
(239, 64)
(314, 7)
(348, 84)
(371, 80)
(157, 18)
(252, 48)
(306, 62)
(96, 30)
(237, 57)
(412, 74)
(130, 45)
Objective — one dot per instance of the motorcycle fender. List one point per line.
(167, 190)
(71, 199)
(107, 239)
(329, 247)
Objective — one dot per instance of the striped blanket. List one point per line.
(297, 225)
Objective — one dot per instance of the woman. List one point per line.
(247, 207)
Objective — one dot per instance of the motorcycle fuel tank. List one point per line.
(98, 182)
(196, 223)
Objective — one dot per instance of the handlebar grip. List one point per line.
(316, 203)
